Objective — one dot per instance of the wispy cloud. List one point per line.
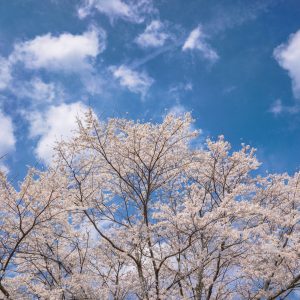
(136, 82)
(5, 73)
(197, 41)
(277, 108)
(223, 19)
(154, 54)
(236, 14)
(38, 91)
(178, 91)
(288, 57)
(229, 89)
(132, 11)
(155, 35)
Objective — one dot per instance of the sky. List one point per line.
(235, 65)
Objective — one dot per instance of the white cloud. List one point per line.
(58, 122)
(38, 91)
(132, 10)
(7, 137)
(66, 52)
(5, 73)
(153, 36)
(197, 40)
(136, 82)
(288, 57)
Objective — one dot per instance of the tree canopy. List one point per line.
(133, 210)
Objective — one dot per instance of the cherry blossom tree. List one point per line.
(25, 213)
(133, 210)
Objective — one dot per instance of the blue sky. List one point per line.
(234, 64)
